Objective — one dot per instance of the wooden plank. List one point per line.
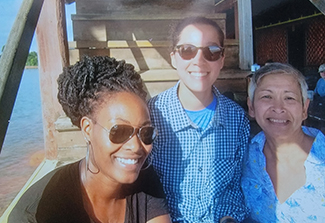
(53, 56)
(45, 167)
(224, 5)
(320, 4)
(145, 6)
(246, 56)
(13, 59)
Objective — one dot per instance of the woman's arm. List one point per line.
(161, 219)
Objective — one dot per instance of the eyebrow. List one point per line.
(286, 91)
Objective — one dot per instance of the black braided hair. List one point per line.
(81, 86)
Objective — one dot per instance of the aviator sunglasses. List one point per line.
(210, 53)
(119, 134)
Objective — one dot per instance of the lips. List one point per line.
(127, 161)
(278, 121)
(198, 74)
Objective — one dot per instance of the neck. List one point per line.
(104, 201)
(97, 185)
(288, 150)
(194, 101)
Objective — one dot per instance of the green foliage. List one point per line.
(32, 59)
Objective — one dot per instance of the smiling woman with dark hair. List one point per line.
(203, 135)
(106, 100)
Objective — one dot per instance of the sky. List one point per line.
(8, 13)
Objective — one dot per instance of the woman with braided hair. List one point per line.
(106, 100)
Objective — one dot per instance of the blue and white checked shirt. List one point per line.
(200, 169)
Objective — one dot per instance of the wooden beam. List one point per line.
(236, 21)
(320, 4)
(224, 5)
(53, 56)
(13, 59)
(246, 57)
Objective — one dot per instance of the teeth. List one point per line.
(277, 121)
(127, 161)
(196, 74)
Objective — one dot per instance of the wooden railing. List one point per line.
(13, 59)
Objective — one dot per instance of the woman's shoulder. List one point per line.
(27, 205)
(56, 191)
(163, 98)
(318, 146)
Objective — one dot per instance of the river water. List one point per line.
(22, 150)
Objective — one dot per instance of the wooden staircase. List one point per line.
(138, 32)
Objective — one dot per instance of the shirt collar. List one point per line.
(317, 153)
(218, 118)
(259, 139)
(179, 117)
(177, 114)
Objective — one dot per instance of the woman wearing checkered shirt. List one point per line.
(203, 135)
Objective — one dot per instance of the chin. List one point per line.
(130, 179)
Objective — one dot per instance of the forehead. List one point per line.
(284, 81)
(198, 34)
(123, 105)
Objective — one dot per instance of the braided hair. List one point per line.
(84, 86)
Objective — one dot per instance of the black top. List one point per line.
(57, 198)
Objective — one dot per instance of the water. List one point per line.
(22, 150)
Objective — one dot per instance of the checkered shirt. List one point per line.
(200, 169)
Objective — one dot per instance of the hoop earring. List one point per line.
(87, 160)
(148, 161)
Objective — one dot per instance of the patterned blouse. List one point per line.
(307, 204)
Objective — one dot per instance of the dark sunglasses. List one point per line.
(210, 53)
(119, 134)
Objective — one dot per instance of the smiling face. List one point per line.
(197, 74)
(278, 106)
(120, 163)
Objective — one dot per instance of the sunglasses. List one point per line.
(119, 134)
(210, 53)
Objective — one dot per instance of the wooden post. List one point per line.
(236, 20)
(53, 56)
(320, 4)
(13, 59)
(246, 56)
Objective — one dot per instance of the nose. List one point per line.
(134, 143)
(199, 57)
(278, 106)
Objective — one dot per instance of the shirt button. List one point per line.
(200, 169)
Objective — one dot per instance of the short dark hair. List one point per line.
(82, 86)
(178, 28)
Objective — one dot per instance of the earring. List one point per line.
(148, 162)
(87, 159)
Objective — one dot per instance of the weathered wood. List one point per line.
(128, 27)
(236, 21)
(246, 57)
(53, 56)
(144, 6)
(13, 59)
(320, 4)
(224, 5)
